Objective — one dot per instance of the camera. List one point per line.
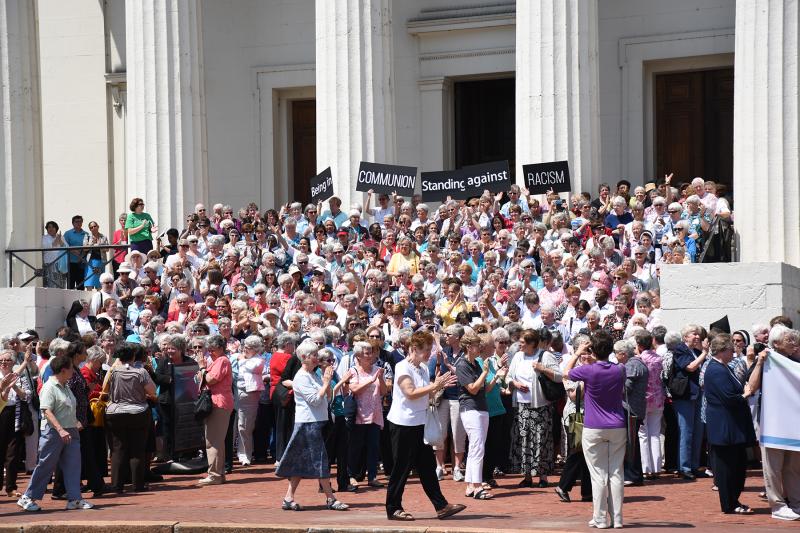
(759, 347)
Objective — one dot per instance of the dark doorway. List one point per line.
(304, 149)
(694, 125)
(484, 122)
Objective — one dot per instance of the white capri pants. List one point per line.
(650, 441)
(476, 425)
(449, 416)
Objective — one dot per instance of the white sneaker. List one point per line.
(27, 504)
(458, 475)
(785, 513)
(439, 473)
(79, 504)
(592, 523)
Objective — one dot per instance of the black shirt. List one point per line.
(467, 373)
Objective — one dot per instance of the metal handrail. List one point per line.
(12, 254)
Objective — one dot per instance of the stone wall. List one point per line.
(748, 293)
(36, 308)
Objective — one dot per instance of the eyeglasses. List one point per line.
(118, 321)
(108, 283)
(302, 262)
(197, 347)
(672, 211)
(202, 210)
(259, 293)
(6, 362)
(503, 342)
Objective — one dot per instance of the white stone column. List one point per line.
(766, 161)
(355, 103)
(21, 225)
(166, 155)
(557, 88)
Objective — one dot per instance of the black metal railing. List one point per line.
(49, 267)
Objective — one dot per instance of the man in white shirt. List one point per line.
(602, 306)
(380, 211)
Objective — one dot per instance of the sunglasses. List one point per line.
(259, 293)
(374, 336)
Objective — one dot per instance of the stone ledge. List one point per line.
(204, 527)
(101, 526)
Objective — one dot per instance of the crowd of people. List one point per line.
(515, 335)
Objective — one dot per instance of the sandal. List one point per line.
(291, 505)
(743, 509)
(483, 494)
(491, 484)
(14, 494)
(402, 516)
(335, 505)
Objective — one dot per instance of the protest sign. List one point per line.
(386, 178)
(322, 186)
(188, 433)
(466, 182)
(541, 177)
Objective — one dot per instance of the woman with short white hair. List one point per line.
(249, 385)
(305, 456)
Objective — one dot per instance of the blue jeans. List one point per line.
(690, 428)
(53, 452)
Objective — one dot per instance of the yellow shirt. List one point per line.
(398, 260)
(448, 319)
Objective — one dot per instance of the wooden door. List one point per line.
(484, 122)
(304, 149)
(694, 125)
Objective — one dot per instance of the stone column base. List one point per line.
(749, 293)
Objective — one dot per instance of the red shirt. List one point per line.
(276, 366)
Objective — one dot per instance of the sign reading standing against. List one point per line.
(386, 178)
(466, 182)
(541, 177)
(322, 186)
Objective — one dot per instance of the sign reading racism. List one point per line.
(386, 178)
(541, 177)
(322, 186)
(466, 182)
(188, 433)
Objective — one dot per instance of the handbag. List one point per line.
(26, 418)
(433, 432)
(575, 421)
(677, 383)
(203, 404)
(97, 410)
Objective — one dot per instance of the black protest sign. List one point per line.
(322, 186)
(188, 433)
(541, 177)
(386, 178)
(466, 182)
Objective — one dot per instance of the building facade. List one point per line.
(233, 101)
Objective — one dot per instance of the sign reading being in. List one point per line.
(322, 186)
(386, 178)
(466, 182)
(541, 177)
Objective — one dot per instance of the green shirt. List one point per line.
(60, 401)
(493, 400)
(135, 220)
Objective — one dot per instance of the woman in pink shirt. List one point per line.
(368, 385)
(650, 430)
(551, 295)
(219, 380)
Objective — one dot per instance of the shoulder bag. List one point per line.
(350, 404)
(677, 383)
(575, 421)
(552, 391)
(434, 433)
(203, 404)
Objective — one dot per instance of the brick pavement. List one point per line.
(252, 497)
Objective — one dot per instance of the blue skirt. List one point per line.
(305, 454)
(92, 278)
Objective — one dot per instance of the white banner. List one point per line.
(780, 403)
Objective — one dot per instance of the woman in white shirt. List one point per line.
(305, 455)
(532, 451)
(410, 394)
(249, 385)
(52, 262)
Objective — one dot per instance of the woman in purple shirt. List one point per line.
(604, 433)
